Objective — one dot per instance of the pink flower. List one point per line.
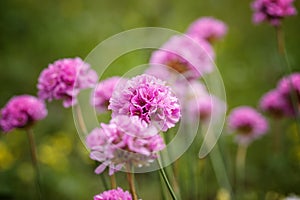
(185, 55)
(148, 98)
(125, 140)
(272, 11)
(195, 100)
(21, 111)
(103, 92)
(247, 123)
(289, 87)
(276, 104)
(114, 194)
(64, 79)
(289, 84)
(207, 28)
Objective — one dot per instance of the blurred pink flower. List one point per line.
(103, 92)
(114, 194)
(148, 98)
(198, 102)
(21, 111)
(247, 123)
(289, 87)
(272, 11)
(185, 55)
(208, 28)
(276, 104)
(64, 79)
(125, 140)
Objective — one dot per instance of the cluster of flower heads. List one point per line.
(247, 123)
(64, 79)
(21, 111)
(141, 107)
(114, 194)
(272, 11)
(283, 101)
(190, 55)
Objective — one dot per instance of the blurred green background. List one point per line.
(34, 33)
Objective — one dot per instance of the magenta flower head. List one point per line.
(272, 11)
(188, 56)
(103, 92)
(197, 102)
(21, 111)
(64, 79)
(124, 141)
(208, 28)
(114, 194)
(289, 87)
(289, 84)
(148, 98)
(275, 104)
(247, 123)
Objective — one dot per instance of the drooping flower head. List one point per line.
(64, 79)
(124, 141)
(148, 98)
(275, 104)
(272, 11)
(114, 194)
(208, 28)
(247, 123)
(21, 111)
(103, 92)
(188, 56)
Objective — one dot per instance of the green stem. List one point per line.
(103, 181)
(282, 52)
(240, 165)
(165, 178)
(33, 153)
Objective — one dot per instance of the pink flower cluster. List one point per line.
(64, 79)
(114, 194)
(207, 28)
(103, 92)
(124, 141)
(198, 103)
(247, 123)
(190, 55)
(21, 111)
(272, 11)
(183, 55)
(284, 100)
(148, 98)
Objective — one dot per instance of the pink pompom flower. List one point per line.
(197, 102)
(184, 55)
(275, 104)
(124, 141)
(208, 28)
(148, 98)
(103, 92)
(64, 79)
(114, 194)
(247, 123)
(289, 87)
(21, 111)
(272, 11)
